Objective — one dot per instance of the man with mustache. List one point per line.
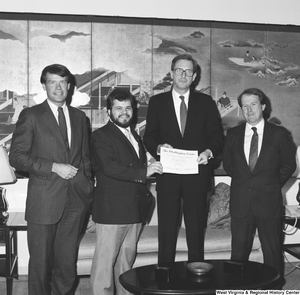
(120, 163)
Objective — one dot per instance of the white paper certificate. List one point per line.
(179, 161)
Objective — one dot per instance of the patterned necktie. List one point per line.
(132, 140)
(183, 114)
(63, 126)
(253, 155)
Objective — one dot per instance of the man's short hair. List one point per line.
(253, 91)
(184, 57)
(56, 69)
(120, 94)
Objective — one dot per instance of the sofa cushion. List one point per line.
(149, 240)
(219, 215)
(87, 246)
(220, 240)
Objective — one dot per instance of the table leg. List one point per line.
(9, 286)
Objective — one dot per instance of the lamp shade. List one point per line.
(7, 174)
(297, 171)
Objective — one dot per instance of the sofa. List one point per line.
(217, 237)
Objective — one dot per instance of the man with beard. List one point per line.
(120, 163)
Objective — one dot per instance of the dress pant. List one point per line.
(115, 253)
(169, 214)
(53, 251)
(270, 236)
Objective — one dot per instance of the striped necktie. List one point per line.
(132, 141)
(63, 126)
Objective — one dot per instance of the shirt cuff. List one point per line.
(210, 154)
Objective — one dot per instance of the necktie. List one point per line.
(132, 140)
(183, 114)
(253, 155)
(63, 126)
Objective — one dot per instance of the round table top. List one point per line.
(176, 278)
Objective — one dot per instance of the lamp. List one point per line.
(298, 195)
(296, 174)
(7, 176)
(3, 205)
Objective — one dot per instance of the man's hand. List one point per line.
(166, 145)
(155, 167)
(204, 157)
(65, 171)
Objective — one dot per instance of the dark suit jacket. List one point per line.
(260, 189)
(120, 174)
(203, 131)
(36, 144)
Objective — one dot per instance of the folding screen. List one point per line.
(106, 52)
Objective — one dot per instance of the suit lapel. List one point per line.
(142, 154)
(267, 139)
(240, 146)
(118, 133)
(192, 111)
(171, 114)
(74, 129)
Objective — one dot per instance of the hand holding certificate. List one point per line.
(179, 161)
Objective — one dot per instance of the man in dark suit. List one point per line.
(120, 164)
(183, 119)
(257, 179)
(54, 148)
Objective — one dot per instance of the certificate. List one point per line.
(179, 161)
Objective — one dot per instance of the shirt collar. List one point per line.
(121, 128)
(178, 100)
(54, 106)
(260, 127)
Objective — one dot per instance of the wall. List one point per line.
(253, 11)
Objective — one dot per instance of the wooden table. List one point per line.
(9, 260)
(144, 279)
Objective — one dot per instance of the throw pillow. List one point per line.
(218, 215)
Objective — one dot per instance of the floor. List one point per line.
(292, 275)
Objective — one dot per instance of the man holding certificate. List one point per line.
(182, 124)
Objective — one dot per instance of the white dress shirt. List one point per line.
(177, 102)
(248, 136)
(54, 110)
(130, 137)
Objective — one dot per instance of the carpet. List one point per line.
(292, 274)
(20, 286)
(292, 282)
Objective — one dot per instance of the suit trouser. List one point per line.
(270, 236)
(115, 253)
(53, 251)
(195, 218)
